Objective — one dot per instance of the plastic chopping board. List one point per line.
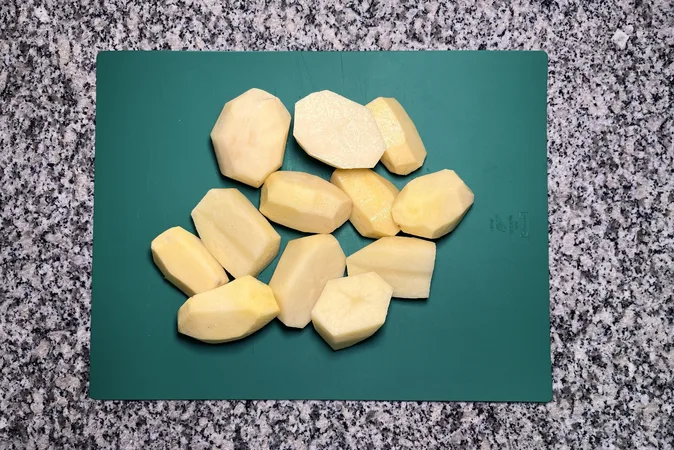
(483, 335)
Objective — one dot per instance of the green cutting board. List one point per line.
(483, 335)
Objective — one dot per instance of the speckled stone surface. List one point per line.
(611, 193)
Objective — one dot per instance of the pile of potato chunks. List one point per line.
(308, 284)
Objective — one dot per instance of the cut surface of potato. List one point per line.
(432, 205)
(372, 196)
(405, 152)
(235, 232)
(351, 309)
(304, 202)
(185, 262)
(337, 131)
(403, 262)
(250, 136)
(228, 313)
(306, 265)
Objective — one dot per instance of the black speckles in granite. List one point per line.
(611, 195)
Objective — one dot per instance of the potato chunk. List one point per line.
(405, 263)
(185, 262)
(351, 309)
(235, 232)
(304, 202)
(337, 131)
(250, 136)
(306, 265)
(405, 152)
(432, 205)
(372, 196)
(228, 313)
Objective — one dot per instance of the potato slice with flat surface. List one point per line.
(432, 205)
(405, 152)
(337, 131)
(185, 262)
(405, 263)
(372, 196)
(249, 137)
(228, 313)
(235, 232)
(351, 309)
(306, 265)
(304, 202)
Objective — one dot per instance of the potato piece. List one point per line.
(304, 202)
(372, 196)
(405, 152)
(235, 232)
(228, 313)
(250, 136)
(403, 262)
(351, 309)
(306, 265)
(337, 131)
(185, 262)
(432, 205)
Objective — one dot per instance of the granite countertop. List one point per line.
(611, 195)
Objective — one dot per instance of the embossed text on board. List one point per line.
(511, 224)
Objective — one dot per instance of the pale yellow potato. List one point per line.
(304, 202)
(250, 136)
(432, 205)
(372, 196)
(351, 309)
(306, 265)
(405, 263)
(228, 313)
(186, 263)
(235, 232)
(405, 152)
(337, 131)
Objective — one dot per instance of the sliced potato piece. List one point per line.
(351, 309)
(337, 131)
(250, 136)
(405, 152)
(372, 196)
(235, 232)
(304, 202)
(432, 205)
(228, 313)
(403, 262)
(185, 262)
(306, 265)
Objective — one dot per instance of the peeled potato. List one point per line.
(337, 131)
(432, 205)
(228, 313)
(405, 263)
(250, 136)
(186, 263)
(304, 202)
(405, 152)
(351, 309)
(306, 265)
(372, 196)
(235, 232)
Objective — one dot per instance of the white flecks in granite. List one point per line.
(611, 205)
(620, 38)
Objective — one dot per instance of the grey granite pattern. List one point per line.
(611, 193)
